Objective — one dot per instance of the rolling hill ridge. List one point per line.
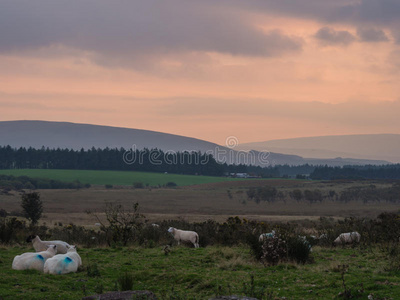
(37, 134)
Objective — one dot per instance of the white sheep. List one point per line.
(347, 238)
(264, 236)
(33, 260)
(185, 236)
(63, 263)
(39, 245)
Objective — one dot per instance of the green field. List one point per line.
(115, 177)
(188, 273)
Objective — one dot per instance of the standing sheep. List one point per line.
(347, 238)
(185, 236)
(39, 245)
(63, 263)
(33, 260)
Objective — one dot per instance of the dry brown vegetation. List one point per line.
(200, 202)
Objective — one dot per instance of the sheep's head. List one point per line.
(71, 248)
(171, 229)
(52, 247)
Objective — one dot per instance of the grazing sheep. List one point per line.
(40, 245)
(63, 263)
(347, 238)
(264, 236)
(33, 260)
(185, 236)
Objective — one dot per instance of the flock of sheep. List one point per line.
(193, 237)
(46, 259)
(342, 239)
(58, 257)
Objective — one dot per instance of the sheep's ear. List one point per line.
(68, 246)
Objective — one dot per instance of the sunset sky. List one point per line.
(254, 69)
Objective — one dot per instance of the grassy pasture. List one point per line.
(188, 273)
(115, 177)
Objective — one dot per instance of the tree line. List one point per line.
(366, 194)
(10, 182)
(356, 172)
(149, 160)
(190, 163)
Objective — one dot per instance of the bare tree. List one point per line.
(123, 224)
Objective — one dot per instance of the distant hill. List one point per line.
(76, 136)
(368, 146)
(37, 134)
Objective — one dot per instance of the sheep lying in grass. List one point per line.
(63, 263)
(185, 236)
(40, 245)
(264, 236)
(347, 238)
(33, 260)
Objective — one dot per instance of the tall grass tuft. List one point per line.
(125, 281)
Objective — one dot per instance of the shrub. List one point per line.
(138, 185)
(11, 230)
(3, 213)
(255, 246)
(171, 184)
(274, 250)
(298, 250)
(78, 235)
(124, 224)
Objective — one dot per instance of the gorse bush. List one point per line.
(255, 246)
(298, 249)
(80, 235)
(274, 250)
(12, 230)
